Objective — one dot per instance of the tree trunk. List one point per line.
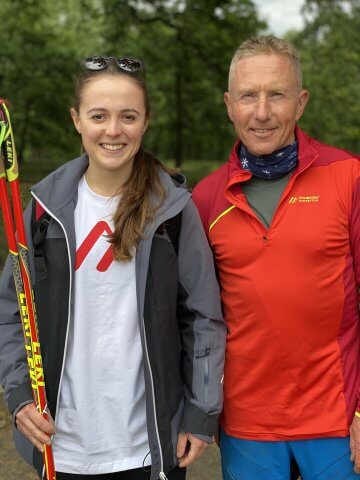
(179, 122)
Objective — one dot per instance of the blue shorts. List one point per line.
(317, 459)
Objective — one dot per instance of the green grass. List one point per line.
(32, 173)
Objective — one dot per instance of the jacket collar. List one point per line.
(59, 188)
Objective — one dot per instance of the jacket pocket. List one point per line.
(203, 355)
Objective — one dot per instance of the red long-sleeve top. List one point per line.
(289, 296)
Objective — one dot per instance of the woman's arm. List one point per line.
(202, 328)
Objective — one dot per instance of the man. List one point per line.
(283, 220)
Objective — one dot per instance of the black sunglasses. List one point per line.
(127, 64)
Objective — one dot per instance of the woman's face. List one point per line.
(112, 120)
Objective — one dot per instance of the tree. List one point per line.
(331, 65)
(42, 44)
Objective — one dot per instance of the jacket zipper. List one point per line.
(162, 475)
(153, 403)
(69, 308)
(205, 355)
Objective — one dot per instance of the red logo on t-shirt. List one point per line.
(84, 249)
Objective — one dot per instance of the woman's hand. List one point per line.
(34, 426)
(189, 448)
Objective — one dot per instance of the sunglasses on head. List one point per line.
(127, 64)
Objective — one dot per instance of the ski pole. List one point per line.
(19, 255)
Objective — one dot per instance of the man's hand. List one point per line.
(189, 448)
(34, 426)
(355, 443)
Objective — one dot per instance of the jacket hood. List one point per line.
(176, 192)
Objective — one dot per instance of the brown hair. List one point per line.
(267, 44)
(143, 193)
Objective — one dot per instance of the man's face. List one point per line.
(265, 102)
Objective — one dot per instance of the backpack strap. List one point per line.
(172, 227)
(40, 220)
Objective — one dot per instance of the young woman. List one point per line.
(128, 305)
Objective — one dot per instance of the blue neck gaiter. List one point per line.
(274, 165)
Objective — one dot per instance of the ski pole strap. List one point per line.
(8, 145)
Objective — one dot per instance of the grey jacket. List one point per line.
(182, 330)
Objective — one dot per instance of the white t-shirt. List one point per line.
(101, 419)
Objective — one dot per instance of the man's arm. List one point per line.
(355, 248)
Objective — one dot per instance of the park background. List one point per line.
(186, 46)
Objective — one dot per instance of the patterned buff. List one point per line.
(270, 166)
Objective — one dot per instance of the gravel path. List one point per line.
(12, 467)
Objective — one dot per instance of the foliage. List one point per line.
(42, 43)
(331, 65)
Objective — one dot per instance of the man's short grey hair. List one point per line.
(267, 44)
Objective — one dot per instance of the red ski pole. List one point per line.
(13, 221)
